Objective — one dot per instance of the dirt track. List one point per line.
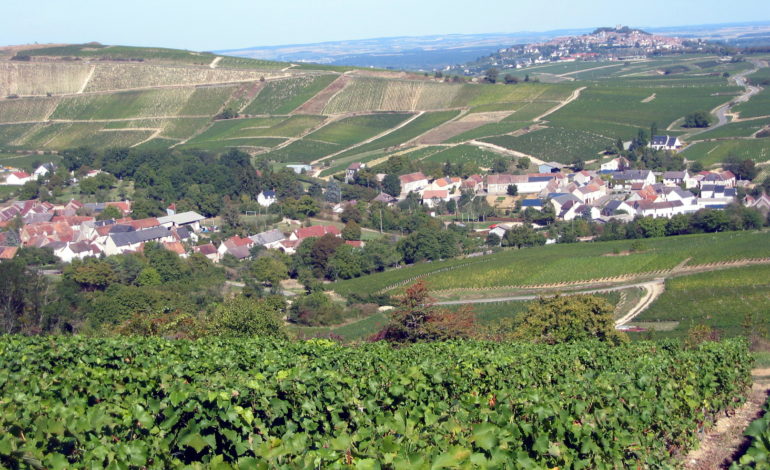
(725, 441)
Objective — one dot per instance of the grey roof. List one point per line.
(33, 218)
(183, 233)
(565, 198)
(630, 175)
(240, 252)
(121, 228)
(182, 218)
(536, 179)
(268, 193)
(674, 175)
(270, 236)
(95, 206)
(139, 236)
(666, 140)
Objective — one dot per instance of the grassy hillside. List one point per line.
(155, 97)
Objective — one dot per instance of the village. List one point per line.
(612, 193)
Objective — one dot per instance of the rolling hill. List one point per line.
(60, 96)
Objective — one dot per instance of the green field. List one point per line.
(758, 105)
(570, 262)
(465, 153)
(619, 111)
(719, 299)
(351, 130)
(337, 136)
(65, 135)
(232, 129)
(26, 109)
(481, 95)
(710, 153)
(418, 126)
(735, 129)
(285, 95)
(555, 144)
(148, 103)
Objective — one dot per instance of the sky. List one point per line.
(232, 24)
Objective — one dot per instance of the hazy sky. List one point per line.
(231, 24)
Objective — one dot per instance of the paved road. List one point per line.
(722, 111)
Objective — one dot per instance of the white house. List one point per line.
(413, 182)
(352, 170)
(189, 219)
(44, 169)
(123, 242)
(498, 183)
(266, 198)
(616, 164)
(665, 142)
(590, 193)
(431, 198)
(678, 178)
(18, 178)
(627, 178)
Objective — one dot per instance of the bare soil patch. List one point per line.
(447, 131)
(649, 98)
(316, 104)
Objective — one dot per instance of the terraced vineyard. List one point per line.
(61, 99)
(555, 144)
(379, 94)
(155, 403)
(570, 262)
(283, 96)
(337, 136)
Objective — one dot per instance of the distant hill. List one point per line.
(427, 53)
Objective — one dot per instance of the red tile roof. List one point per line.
(316, 231)
(207, 249)
(8, 252)
(412, 177)
(355, 243)
(439, 193)
(21, 174)
(176, 247)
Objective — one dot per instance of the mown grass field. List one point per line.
(570, 262)
(283, 96)
(719, 299)
(710, 153)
